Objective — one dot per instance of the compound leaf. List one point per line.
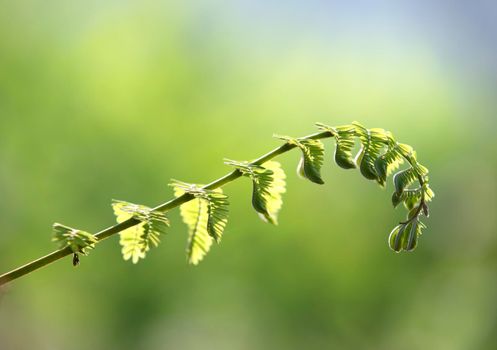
(79, 241)
(268, 185)
(205, 215)
(387, 163)
(311, 161)
(372, 142)
(405, 236)
(404, 178)
(345, 142)
(217, 215)
(396, 237)
(137, 240)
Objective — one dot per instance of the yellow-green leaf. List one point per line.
(269, 190)
(268, 185)
(205, 215)
(137, 240)
(79, 241)
(311, 161)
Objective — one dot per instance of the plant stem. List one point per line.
(173, 203)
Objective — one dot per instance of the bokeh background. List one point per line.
(111, 99)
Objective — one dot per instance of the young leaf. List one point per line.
(344, 137)
(387, 163)
(373, 141)
(268, 185)
(205, 215)
(428, 192)
(131, 241)
(195, 215)
(137, 240)
(405, 236)
(412, 238)
(411, 197)
(396, 237)
(217, 215)
(268, 188)
(344, 144)
(404, 178)
(407, 152)
(311, 161)
(396, 199)
(79, 241)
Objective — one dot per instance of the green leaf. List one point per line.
(268, 188)
(421, 170)
(396, 199)
(217, 215)
(137, 240)
(311, 161)
(396, 238)
(405, 236)
(205, 215)
(195, 215)
(428, 192)
(372, 142)
(344, 137)
(387, 163)
(411, 197)
(412, 239)
(344, 144)
(268, 185)
(79, 241)
(407, 151)
(404, 178)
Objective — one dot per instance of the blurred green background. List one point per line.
(111, 99)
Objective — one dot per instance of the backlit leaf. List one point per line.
(268, 185)
(387, 163)
(310, 163)
(79, 241)
(205, 215)
(403, 179)
(372, 143)
(137, 240)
